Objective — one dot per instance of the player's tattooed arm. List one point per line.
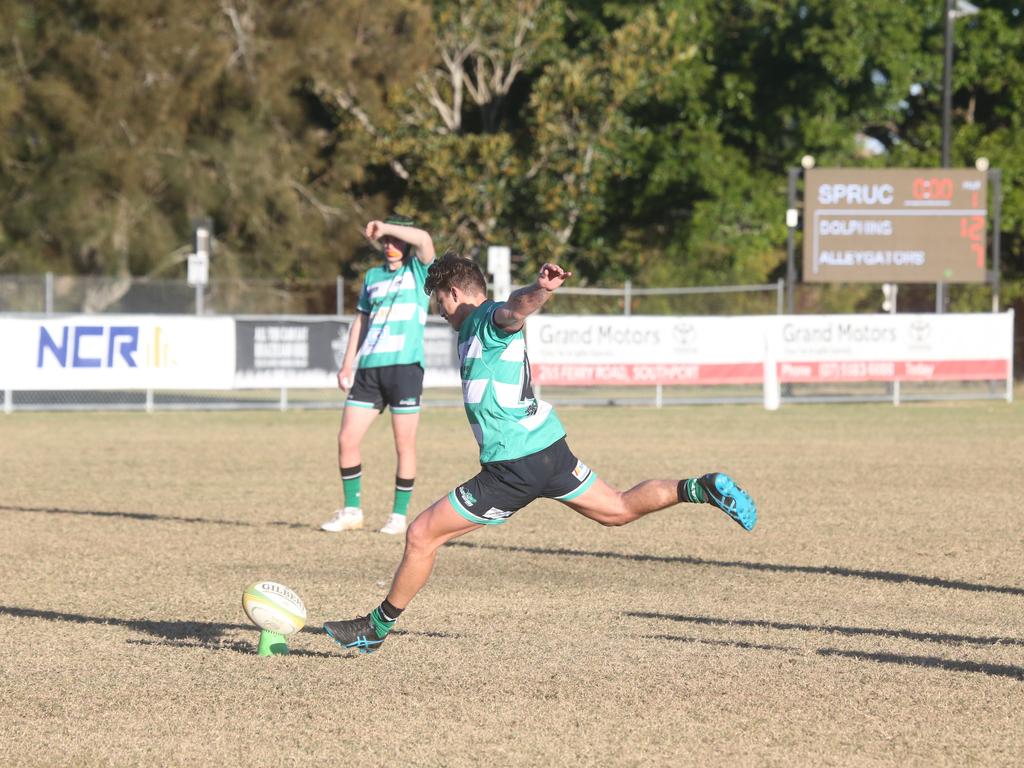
(527, 300)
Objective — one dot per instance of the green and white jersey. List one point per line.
(397, 309)
(507, 420)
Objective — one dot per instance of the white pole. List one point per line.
(657, 396)
(772, 392)
(1009, 360)
(149, 401)
(8, 401)
(283, 404)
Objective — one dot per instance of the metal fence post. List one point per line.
(9, 400)
(48, 305)
(627, 297)
(339, 295)
(780, 295)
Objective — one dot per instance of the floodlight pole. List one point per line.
(953, 10)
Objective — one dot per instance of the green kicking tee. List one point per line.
(507, 420)
(396, 306)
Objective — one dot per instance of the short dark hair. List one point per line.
(454, 270)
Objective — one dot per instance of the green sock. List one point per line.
(690, 490)
(380, 625)
(351, 478)
(403, 492)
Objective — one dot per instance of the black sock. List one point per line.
(389, 612)
(689, 490)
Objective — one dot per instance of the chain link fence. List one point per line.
(66, 294)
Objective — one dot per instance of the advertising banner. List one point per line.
(582, 350)
(307, 353)
(289, 353)
(102, 352)
(948, 347)
(616, 350)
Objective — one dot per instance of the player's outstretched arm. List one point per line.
(527, 300)
(418, 238)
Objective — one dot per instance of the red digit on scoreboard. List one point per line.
(979, 251)
(973, 228)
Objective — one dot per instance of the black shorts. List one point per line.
(504, 487)
(396, 386)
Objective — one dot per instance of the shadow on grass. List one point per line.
(906, 634)
(191, 634)
(930, 662)
(827, 570)
(951, 665)
(152, 517)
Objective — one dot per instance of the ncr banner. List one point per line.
(591, 350)
(103, 352)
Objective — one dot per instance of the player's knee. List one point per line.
(615, 514)
(613, 521)
(418, 539)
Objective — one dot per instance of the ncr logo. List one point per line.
(89, 346)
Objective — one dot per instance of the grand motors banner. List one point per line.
(83, 352)
(603, 350)
(842, 348)
(584, 350)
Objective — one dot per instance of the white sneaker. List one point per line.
(347, 519)
(394, 525)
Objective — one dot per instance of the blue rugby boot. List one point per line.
(723, 492)
(365, 634)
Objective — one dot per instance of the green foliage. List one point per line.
(630, 140)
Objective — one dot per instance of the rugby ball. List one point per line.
(273, 606)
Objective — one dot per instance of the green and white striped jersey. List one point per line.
(507, 420)
(397, 308)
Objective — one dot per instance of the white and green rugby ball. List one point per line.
(273, 606)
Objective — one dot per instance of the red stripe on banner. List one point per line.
(893, 370)
(630, 374)
(587, 374)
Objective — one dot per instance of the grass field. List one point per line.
(874, 617)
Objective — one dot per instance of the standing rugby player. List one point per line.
(383, 366)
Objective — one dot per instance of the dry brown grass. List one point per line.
(873, 618)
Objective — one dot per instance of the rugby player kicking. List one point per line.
(523, 452)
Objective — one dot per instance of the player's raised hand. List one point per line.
(375, 230)
(552, 276)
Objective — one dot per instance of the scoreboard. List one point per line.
(894, 225)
